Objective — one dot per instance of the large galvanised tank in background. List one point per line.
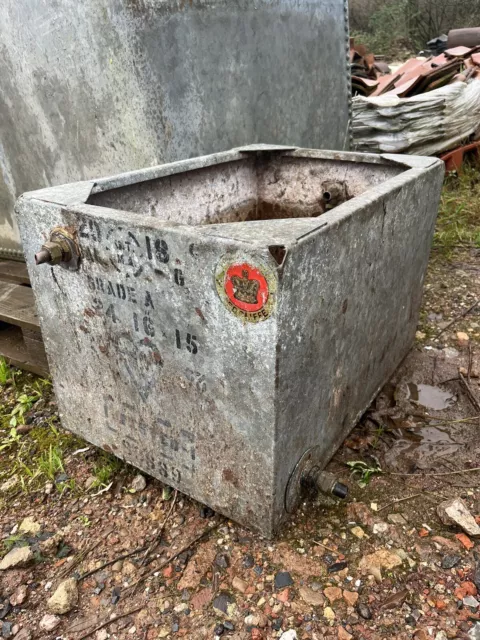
(92, 88)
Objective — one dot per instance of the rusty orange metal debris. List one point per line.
(371, 77)
(454, 159)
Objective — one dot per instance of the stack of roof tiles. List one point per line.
(415, 76)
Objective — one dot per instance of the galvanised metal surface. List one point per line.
(222, 322)
(93, 88)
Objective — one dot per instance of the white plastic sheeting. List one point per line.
(421, 125)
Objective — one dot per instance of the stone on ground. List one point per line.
(333, 593)
(30, 527)
(455, 511)
(64, 598)
(49, 622)
(311, 597)
(381, 559)
(138, 483)
(19, 595)
(18, 557)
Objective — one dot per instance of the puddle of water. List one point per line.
(420, 445)
(430, 397)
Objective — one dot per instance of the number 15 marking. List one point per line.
(191, 343)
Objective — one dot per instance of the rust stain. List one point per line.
(200, 314)
(229, 476)
(89, 312)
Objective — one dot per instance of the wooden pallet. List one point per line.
(20, 338)
(11, 271)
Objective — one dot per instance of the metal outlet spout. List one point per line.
(61, 248)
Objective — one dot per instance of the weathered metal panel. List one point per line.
(213, 355)
(351, 297)
(94, 88)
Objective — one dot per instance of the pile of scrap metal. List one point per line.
(366, 68)
(425, 107)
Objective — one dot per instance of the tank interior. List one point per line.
(256, 188)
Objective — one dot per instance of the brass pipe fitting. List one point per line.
(61, 248)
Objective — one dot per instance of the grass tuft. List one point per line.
(106, 469)
(5, 372)
(50, 462)
(458, 223)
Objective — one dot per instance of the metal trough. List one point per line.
(222, 322)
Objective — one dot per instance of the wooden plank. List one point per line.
(11, 271)
(35, 348)
(17, 306)
(14, 351)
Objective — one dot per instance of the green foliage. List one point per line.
(24, 404)
(68, 485)
(41, 385)
(389, 27)
(5, 372)
(10, 439)
(105, 470)
(387, 32)
(458, 223)
(15, 540)
(363, 472)
(167, 493)
(51, 462)
(36, 456)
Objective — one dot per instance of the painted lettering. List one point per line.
(148, 300)
(191, 343)
(179, 277)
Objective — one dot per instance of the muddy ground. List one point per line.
(381, 565)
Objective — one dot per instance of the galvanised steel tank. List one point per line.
(222, 322)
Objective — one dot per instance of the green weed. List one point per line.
(41, 385)
(83, 519)
(37, 456)
(458, 223)
(15, 540)
(5, 372)
(68, 485)
(167, 493)
(9, 440)
(26, 474)
(24, 404)
(50, 463)
(105, 470)
(363, 472)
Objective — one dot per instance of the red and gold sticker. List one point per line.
(246, 290)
